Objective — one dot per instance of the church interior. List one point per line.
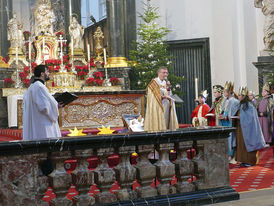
(106, 52)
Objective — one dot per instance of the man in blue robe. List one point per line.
(229, 109)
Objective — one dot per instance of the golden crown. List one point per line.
(229, 86)
(266, 87)
(204, 93)
(218, 88)
(243, 91)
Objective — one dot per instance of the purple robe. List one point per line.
(262, 108)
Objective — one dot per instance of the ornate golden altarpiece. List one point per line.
(94, 109)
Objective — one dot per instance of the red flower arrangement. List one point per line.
(98, 75)
(99, 82)
(114, 81)
(90, 81)
(59, 33)
(23, 76)
(6, 59)
(82, 71)
(26, 35)
(8, 82)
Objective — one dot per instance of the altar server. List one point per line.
(249, 135)
(198, 115)
(40, 109)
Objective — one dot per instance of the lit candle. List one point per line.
(44, 49)
(105, 56)
(196, 88)
(29, 51)
(16, 55)
(72, 52)
(88, 53)
(70, 10)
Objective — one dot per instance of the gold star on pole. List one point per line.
(76, 132)
(105, 130)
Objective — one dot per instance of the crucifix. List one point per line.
(61, 40)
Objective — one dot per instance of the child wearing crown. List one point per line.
(198, 115)
(249, 136)
(216, 107)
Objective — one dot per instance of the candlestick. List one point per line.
(72, 52)
(70, 11)
(16, 55)
(88, 53)
(30, 52)
(105, 57)
(44, 50)
(196, 88)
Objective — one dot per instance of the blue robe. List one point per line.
(231, 110)
(251, 129)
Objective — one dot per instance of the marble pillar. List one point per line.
(116, 26)
(4, 43)
(130, 25)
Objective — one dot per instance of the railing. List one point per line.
(28, 168)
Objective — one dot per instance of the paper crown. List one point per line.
(218, 88)
(243, 91)
(266, 87)
(229, 86)
(204, 94)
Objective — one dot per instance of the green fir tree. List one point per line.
(150, 51)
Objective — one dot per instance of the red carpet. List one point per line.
(256, 177)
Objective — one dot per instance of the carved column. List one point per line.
(60, 180)
(184, 168)
(104, 177)
(145, 172)
(125, 174)
(165, 170)
(82, 178)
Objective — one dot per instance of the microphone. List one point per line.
(168, 85)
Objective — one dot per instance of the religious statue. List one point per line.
(268, 10)
(45, 18)
(15, 32)
(76, 32)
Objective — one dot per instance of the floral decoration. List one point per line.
(8, 82)
(114, 81)
(59, 33)
(90, 81)
(82, 71)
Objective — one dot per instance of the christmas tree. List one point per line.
(150, 51)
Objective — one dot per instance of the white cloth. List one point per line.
(40, 113)
(12, 109)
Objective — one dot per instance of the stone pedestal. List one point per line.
(265, 64)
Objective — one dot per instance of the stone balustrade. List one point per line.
(28, 168)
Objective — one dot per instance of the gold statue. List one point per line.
(98, 45)
(45, 18)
